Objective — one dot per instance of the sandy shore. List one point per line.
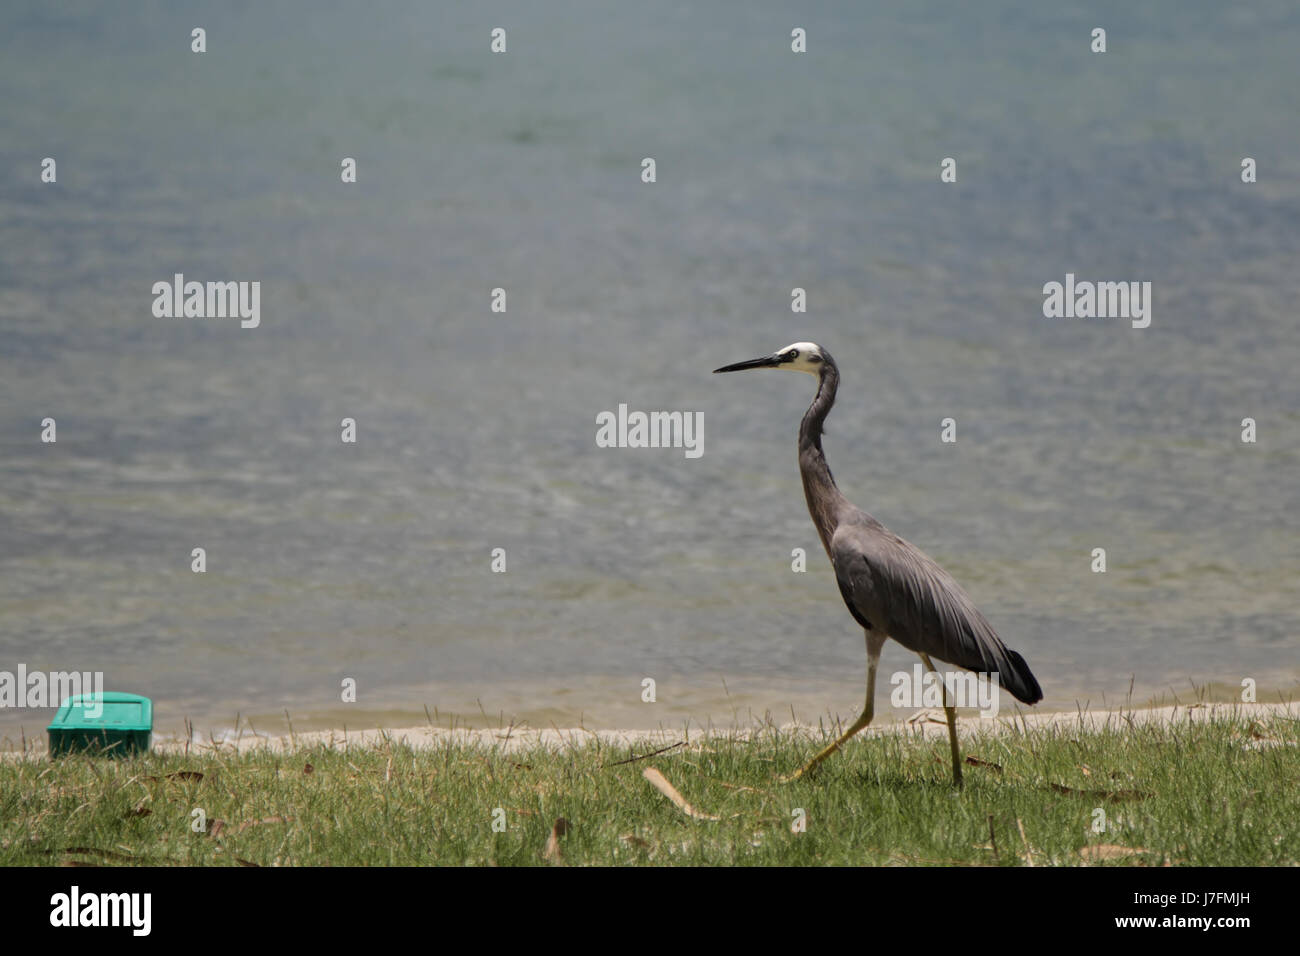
(925, 723)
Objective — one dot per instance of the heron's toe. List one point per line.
(797, 775)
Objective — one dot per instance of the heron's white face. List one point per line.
(801, 357)
(798, 357)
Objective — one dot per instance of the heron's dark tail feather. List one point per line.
(1019, 680)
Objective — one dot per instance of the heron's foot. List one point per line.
(806, 770)
(799, 774)
(812, 765)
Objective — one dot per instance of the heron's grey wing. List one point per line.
(900, 590)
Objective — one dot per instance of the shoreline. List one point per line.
(510, 738)
(688, 707)
(924, 723)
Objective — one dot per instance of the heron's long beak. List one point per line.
(767, 361)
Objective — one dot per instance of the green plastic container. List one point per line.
(124, 726)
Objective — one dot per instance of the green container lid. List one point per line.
(115, 723)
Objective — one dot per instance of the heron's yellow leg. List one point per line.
(951, 713)
(872, 660)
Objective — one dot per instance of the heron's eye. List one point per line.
(792, 355)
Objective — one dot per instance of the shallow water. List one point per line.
(477, 430)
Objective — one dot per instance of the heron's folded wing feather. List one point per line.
(903, 592)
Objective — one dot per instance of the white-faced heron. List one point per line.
(891, 587)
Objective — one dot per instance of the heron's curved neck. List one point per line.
(824, 498)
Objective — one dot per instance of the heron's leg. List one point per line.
(951, 713)
(874, 644)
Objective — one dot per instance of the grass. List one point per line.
(1219, 793)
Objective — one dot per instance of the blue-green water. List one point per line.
(477, 429)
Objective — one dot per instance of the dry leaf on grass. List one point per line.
(109, 855)
(552, 851)
(653, 753)
(1029, 853)
(658, 781)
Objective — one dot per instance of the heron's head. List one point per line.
(798, 357)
